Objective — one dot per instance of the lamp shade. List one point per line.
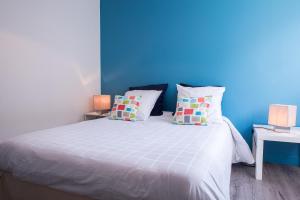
(282, 115)
(101, 102)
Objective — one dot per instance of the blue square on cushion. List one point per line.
(128, 109)
(193, 100)
(158, 107)
(187, 119)
(185, 100)
(119, 114)
(198, 113)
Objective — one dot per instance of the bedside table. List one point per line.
(259, 136)
(94, 115)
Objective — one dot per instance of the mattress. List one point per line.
(119, 160)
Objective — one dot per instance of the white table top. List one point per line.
(93, 114)
(270, 135)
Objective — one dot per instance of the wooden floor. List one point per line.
(279, 182)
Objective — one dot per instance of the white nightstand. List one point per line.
(94, 115)
(259, 136)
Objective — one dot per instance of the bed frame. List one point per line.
(11, 188)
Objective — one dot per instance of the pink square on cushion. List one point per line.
(121, 107)
(188, 111)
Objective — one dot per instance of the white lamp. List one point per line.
(282, 117)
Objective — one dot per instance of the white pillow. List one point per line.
(215, 111)
(148, 100)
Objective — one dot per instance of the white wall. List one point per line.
(49, 62)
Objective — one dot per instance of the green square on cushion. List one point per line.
(132, 116)
(203, 120)
(194, 105)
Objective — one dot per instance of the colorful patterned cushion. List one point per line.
(192, 110)
(158, 108)
(125, 108)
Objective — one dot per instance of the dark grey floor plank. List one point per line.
(279, 182)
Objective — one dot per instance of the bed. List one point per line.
(118, 160)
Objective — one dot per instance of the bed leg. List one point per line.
(3, 191)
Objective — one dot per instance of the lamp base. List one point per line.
(278, 129)
(102, 112)
(282, 129)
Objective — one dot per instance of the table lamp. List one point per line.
(101, 103)
(282, 117)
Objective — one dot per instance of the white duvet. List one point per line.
(118, 160)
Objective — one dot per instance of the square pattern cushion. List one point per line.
(158, 107)
(148, 100)
(125, 108)
(193, 86)
(215, 111)
(192, 110)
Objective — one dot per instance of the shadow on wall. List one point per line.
(41, 87)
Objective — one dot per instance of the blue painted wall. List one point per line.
(251, 47)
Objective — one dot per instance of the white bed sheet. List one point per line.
(108, 159)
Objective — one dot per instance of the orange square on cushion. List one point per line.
(200, 99)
